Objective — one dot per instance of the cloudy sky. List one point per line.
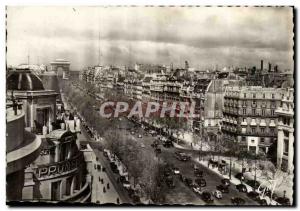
(205, 36)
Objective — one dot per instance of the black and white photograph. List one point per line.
(150, 105)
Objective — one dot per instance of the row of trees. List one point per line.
(144, 168)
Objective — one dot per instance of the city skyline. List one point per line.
(204, 36)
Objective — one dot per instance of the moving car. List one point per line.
(176, 170)
(241, 188)
(237, 201)
(200, 181)
(198, 173)
(207, 197)
(170, 182)
(223, 188)
(197, 189)
(188, 182)
(167, 143)
(126, 184)
(158, 150)
(217, 194)
(182, 156)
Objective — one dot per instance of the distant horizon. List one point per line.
(204, 36)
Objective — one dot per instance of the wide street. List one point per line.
(181, 194)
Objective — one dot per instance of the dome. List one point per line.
(24, 80)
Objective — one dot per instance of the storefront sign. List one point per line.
(59, 167)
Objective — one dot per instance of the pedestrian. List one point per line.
(118, 200)
(104, 190)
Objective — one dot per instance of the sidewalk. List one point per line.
(233, 180)
(100, 192)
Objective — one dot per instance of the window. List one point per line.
(243, 139)
(254, 95)
(262, 140)
(244, 103)
(252, 141)
(272, 112)
(245, 95)
(286, 147)
(253, 111)
(263, 112)
(253, 129)
(286, 133)
(273, 96)
(262, 130)
(244, 111)
(272, 130)
(254, 102)
(264, 95)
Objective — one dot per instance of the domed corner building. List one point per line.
(58, 172)
(39, 105)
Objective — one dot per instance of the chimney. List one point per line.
(270, 67)
(261, 65)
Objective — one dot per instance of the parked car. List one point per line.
(207, 197)
(140, 136)
(237, 201)
(122, 179)
(98, 167)
(254, 184)
(262, 202)
(253, 195)
(241, 188)
(200, 181)
(223, 188)
(240, 176)
(132, 132)
(225, 182)
(217, 194)
(114, 167)
(283, 201)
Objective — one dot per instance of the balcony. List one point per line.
(284, 112)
